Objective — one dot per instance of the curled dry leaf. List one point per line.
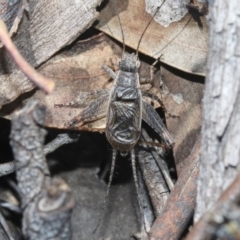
(39, 37)
(183, 44)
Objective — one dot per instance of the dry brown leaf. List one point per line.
(183, 44)
(182, 96)
(50, 26)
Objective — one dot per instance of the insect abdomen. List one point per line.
(123, 128)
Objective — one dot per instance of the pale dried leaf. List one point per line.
(183, 44)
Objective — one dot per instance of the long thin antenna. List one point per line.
(139, 42)
(120, 24)
(108, 188)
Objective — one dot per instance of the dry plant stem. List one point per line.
(220, 159)
(203, 229)
(181, 203)
(43, 83)
(61, 139)
(46, 203)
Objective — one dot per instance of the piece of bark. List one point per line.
(46, 203)
(218, 218)
(183, 44)
(173, 220)
(49, 26)
(11, 12)
(220, 159)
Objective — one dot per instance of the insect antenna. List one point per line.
(114, 154)
(139, 42)
(121, 28)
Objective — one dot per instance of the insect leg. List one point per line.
(156, 98)
(133, 159)
(84, 97)
(96, 110)
(151, 117)
(108, 188)
(110, 72)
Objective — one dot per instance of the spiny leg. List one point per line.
(150, 116)
(83, 98)
(133, 159)
(96, 110)
(108, 188)
(156, 98)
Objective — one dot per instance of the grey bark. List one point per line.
(46, 203)
(220, 148)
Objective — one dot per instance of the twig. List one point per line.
(42, 82)
(181, 203)
(61, 139)
(46, 203)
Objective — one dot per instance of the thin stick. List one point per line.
(120, 23)
(45, 84)
(108, 188)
